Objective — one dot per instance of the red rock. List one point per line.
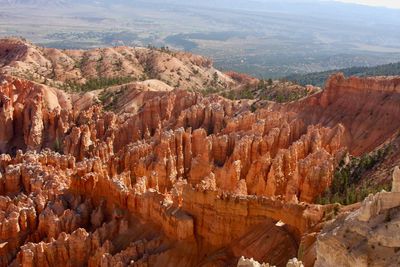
(182, 180)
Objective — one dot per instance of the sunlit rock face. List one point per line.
(182, 179)
(365, 237)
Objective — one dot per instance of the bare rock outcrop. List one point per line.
(365, 237)
(366, 107)
(31, 115)
(61, 67)
(396, 180)
(243, 262)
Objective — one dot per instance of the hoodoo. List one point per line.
(174, 177)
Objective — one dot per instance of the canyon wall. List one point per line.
(368, 108)
(186, 180)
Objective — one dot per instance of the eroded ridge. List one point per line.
(186, 180)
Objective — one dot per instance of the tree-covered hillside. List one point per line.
(319, 78)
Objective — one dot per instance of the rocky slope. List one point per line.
(63, 68)
(368, 236)
(120, 72)
(171, 177)
(367, 108)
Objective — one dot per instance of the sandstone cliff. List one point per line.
(367, 107)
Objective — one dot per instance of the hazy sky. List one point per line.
(385, 3)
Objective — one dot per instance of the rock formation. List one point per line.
(366, 237)
(177, 178)
(182, 150)
(62, 67)
(366, 107)
(243, 262)
(396, 180)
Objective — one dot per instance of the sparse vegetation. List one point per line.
(195, 71)
(245, 93)
(95, 84)
(81, 62)
(118, 64)
(163, 49)
(346, 188)
(148, 66)
(281, 92)
(266, 90)
(210, 91)
(57, 145)
(109, 99)
(215, 79)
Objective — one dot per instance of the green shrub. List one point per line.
(346, 188)
(239, 94)
(215, 79)
(98, 83)
(57, 145)
(109, 99)
(210, 91)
